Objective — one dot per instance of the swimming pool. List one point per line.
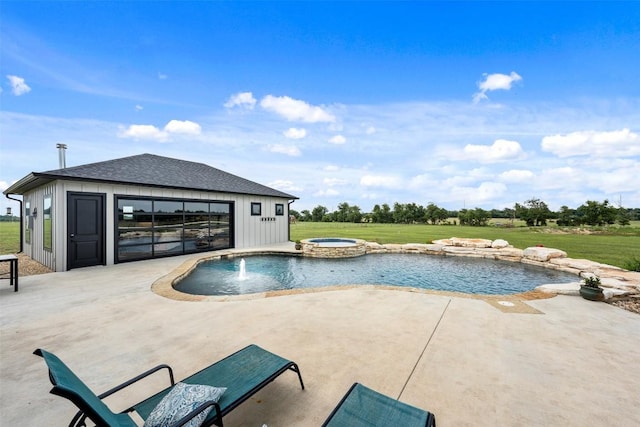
(275, 272)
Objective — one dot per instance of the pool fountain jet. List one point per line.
(243, 270)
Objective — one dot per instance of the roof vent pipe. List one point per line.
(62, 161)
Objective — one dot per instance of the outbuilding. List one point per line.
(141, 207)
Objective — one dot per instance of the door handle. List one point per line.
(72, 235)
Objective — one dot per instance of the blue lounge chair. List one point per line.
(363, 407)
(243, 374)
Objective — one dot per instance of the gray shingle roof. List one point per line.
(158, 171)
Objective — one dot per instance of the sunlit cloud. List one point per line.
(337, 139)
(334, 181)
(516, 175)
(18, 86)
(184, 127)
(242, 100)
(144, 132)
(382, 181)
(151, 132)
(295, 110)
(495, 81)
(617, 143)
(295, 133)
(331, 192)
(284, 185)
(500, 150)
(289, 150)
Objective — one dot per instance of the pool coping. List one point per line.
(164, 285)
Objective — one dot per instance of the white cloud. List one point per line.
(331, 168)
(152, 132)
(516, 176)
(295, 133)
(183, 126)
(338, 139)
(289, 150)
(284, 185)
(334, 181)
(485, 192)
(326, 193)
(242, 99)
(4, 185)
(617, 143)
(370, 130)
(162, 76)
(383, 181)
(500, 150)
(495, 82)
(18, 86)
(423, 181)
(139, 108)
(144, 132)
(295, 110)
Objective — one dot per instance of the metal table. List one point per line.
(13, 270)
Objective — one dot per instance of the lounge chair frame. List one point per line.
(364, 407)
(249, 358)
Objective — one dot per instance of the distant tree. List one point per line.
(534, 212)
(594, 213)
(475, 217)
(435, 214)
(318, 213)
(305, 215)
(382, 214)
(400, 214)
(295, 213)
(623, 218)
(568, 217)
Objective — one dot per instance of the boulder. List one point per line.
(543, 254)
(499, 244)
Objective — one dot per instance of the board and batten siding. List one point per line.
(249, 231)
(35, 248)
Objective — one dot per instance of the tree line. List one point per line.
(534, 212)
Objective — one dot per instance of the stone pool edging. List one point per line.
(615, 281)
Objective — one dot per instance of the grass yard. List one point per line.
(9, 237)
(616, 246)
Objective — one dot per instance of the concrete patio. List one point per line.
(573, 363)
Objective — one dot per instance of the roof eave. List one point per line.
(27, 183)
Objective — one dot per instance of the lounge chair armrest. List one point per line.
(196, 411)
(138, 378)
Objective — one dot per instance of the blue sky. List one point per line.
(463, 104)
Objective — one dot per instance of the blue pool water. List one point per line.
(459, 274)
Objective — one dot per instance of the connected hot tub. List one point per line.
(333, 247)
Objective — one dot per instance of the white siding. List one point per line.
(249, 231)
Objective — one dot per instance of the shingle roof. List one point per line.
(156, 171)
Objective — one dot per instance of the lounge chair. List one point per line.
(242, 374)
(363, 407)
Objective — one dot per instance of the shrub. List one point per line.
(632, 264)
(592, 282)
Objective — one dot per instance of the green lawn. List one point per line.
(615, 247)
(9, 237)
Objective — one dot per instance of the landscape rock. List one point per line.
(499, 244)
(543, 254)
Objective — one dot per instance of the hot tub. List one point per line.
(333, 247)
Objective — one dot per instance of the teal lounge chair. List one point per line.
(243, 374)
(363, 407)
